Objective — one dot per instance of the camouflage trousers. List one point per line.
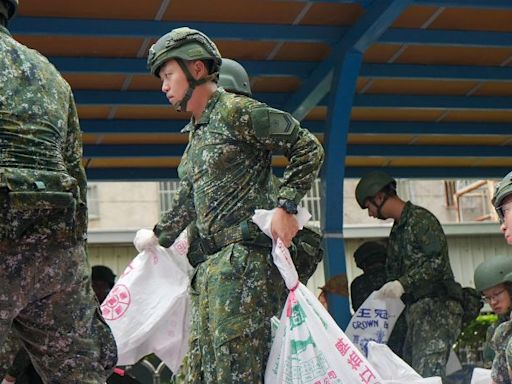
(47, 302)
(234, 294)
(433, 325)
(500, 344)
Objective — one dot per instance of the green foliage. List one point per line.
(473, 335)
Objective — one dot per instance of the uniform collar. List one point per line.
(405, 214)
(205, 117)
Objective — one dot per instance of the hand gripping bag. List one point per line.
(309, 347)
(148, 307)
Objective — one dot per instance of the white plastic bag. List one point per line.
(481, 376)
(148, 308)
(373, 321)
(392, 369)
(309, 347)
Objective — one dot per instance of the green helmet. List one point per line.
(370, 252)
(492, 272)
(234, 78)
(11, 7)
(182, 43)
(370, 184)
(503, 189)
(103, 273)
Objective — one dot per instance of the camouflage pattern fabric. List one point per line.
(500, 369)
(418, 258)
(433, 326)
(228, 168)
(488, 352)
(46, 293)
(224, 175)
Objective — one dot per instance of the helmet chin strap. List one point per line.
(192, 84)
(379, 207)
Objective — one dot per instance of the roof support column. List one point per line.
(347, 57)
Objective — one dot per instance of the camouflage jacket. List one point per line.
(226, 171)
(500, 339)
(417, 251)
(39, 128)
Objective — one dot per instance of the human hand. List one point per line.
(284, 226)
(144, 239)
(392, 289)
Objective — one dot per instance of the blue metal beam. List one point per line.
(433, 172)
(418, 151)
(421, 128)
(299, 69)
(278, 99)
(489, 4)
(436, 72)
(103, 28)
(159, 174)
(359, 37)
(447, 37)
(122, 65)
(380, 128)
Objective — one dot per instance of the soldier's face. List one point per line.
(498, 298)
(174, 82)
(506, 225)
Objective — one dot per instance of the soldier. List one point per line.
(371, 258)
(228, 175)
(418, 270)
(103, 280)
(47, 299)
(502, 341)
(493, 280)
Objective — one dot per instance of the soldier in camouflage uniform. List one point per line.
(371, 258)
(46, 296)
(502, 342)
(228, 175)
(418, 271)
(490, 282)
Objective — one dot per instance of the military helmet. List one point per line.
(234, 78)
(370, 252)
(12, 6)
(370, 184)
(492, 272)
(503, 189)
(182, 43)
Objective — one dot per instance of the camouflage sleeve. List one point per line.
(279, 131)
(429, 255)
(180, 214)
(73, 161)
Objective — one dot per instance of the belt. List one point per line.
(246, 231)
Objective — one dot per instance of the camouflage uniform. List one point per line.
(362, 286)
(418, 258)
(228, 175)
(499, 343)
(488, 352)
(46, 291)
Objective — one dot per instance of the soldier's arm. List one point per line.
(279, 131)
(179, 215)
(428, 261)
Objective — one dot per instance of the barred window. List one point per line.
(167, 191)
(93, 204)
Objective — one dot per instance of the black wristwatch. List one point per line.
(288, 205)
